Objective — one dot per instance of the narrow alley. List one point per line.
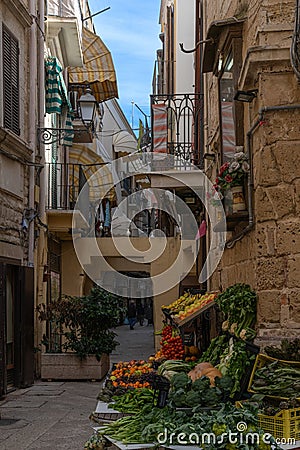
(55, 415)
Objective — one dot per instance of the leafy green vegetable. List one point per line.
(238, 303)
(180, 381)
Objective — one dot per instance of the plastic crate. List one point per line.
(261, 361)
(283, 425)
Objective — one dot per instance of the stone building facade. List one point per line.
(251, 44)
(20, 44)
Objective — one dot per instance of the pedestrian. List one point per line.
(131, 315)
(140, 314)
(149, 314)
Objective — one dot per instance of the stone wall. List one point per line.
(268, 257)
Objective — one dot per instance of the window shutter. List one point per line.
(11, 105)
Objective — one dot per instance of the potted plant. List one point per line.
(230, 180)
(81, 335)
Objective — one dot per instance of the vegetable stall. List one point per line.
(198, 395)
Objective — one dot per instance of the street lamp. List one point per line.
(87, 104)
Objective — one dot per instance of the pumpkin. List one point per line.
(211, 373)
(204, 365)
(196, 373)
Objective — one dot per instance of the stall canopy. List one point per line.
(98, 69)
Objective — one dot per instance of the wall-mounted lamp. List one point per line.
(209, 156)
(245, 96)
(88, 105)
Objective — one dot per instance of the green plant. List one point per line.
(83, 323)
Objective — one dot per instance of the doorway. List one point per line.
(10, 326)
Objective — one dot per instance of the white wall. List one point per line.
(185, 33)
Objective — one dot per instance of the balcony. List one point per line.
(176, 121)
(64, 184)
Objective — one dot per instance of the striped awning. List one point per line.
(124, 142)
(98, 175)
(98, 69)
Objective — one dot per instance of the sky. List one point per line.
(130, 30)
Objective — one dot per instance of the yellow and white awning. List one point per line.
(98, 69)
(97, 173)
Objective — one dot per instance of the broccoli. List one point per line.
(201, 384)
(180, 381)
(225, 384)
(193, 399)
(178, 398)
(211, 397)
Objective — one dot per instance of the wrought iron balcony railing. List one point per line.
(65, 182)
(176, 124)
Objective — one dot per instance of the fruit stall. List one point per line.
(174, 401)
(196, 317)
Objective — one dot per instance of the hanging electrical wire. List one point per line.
(295, 46)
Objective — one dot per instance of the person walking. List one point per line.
(149, 314)
(131, 315)
(140, 314)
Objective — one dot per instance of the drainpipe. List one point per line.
(32, 124)
(41, 107)
(231, 242)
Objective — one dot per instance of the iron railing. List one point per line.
(65, 181)
(183, 119)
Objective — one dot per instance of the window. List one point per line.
(227, 110)
(10, 51)
(231, 111)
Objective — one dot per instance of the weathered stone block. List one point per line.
(288, 236)
(288, 160)
(265, 170)
(282, 200)
(271, 273)
(266, 238)
(268, 307)
(294, 300)
(297, 195)
(244, 272)
(293, 272)
(263, 207)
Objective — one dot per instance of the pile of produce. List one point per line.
(150, 423)
(106, 394)
(269, 406)
(231, 357)
(235, 361)
(188, 304)
(136, 374)
(171, 367)
(133, 400)
(277, 379)
(216, 348)
(288, 350)
(191, 353)
(171, 343)
(238, 304)
(204, 391)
